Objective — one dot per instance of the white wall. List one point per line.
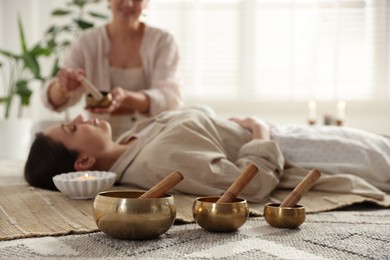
(2, 22)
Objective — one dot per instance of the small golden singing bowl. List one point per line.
(221, 217)
(284, 217)
(91, 102)
(121, 214)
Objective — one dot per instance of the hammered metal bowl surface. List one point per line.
(220, 217)
(284, 217)
(103, 103)
(121, 214)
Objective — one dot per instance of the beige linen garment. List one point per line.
(211, 153)
(160, 58)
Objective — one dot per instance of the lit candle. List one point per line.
(86, 177)
(341, 110)
(312, 112)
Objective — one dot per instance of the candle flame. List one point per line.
(86, 175)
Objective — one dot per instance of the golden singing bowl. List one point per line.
(221, 217)
(284, 217)
(103, 103)
(122, 215)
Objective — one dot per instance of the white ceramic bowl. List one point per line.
(77, 186)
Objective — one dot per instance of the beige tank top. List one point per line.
(130, 79)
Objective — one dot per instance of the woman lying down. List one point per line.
(211, 153)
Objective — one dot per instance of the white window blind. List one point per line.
(280, 49)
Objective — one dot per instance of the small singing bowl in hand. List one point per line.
(220, 217)
(284, 217)
(105, 102)
(121, 214)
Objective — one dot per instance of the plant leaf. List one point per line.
(61, 12)
(65, 28)
(55, 68)
(65, 44)
(9, 54)
(24, 92)
(32, 64)
(40, 51)
(4, 99)
(51, 29)
(80, 3)
(83, 24)
(21, 35)
(98, 15)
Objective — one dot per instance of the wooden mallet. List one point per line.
(295, 196)
(239, 184)
(90, 88)
(161, 188)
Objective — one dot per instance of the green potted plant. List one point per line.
(24, 69)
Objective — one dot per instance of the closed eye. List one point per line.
(73, 128)
(69, 128)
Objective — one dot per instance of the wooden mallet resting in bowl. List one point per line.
(239, 184)
(304, 186)
(90, 88)
(163, 186)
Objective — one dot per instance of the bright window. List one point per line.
(280, 49)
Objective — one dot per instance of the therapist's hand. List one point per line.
(68, 79)
(117, 106)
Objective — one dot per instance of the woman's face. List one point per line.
(127, 11)
(89, 136)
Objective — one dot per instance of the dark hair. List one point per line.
(46, 159)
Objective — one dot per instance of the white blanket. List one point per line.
(338, 150)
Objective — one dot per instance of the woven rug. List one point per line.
(30, 212)
(40, 224)
(356, 233)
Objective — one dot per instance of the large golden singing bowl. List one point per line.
(284, 217)
(91, 102)
(122, 215)
(221, 217)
